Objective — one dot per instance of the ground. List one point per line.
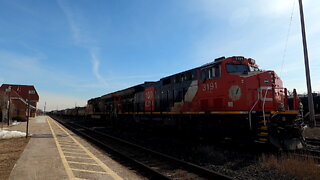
(312, 132)
(10, 151)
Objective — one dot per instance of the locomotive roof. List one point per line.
(216, 61)
(147, 83)
(128, 90)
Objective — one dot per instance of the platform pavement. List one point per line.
(45, 158)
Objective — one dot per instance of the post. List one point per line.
(28, 113)
(9, 103)
(306, 62)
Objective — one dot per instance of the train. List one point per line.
(316, 101)
(228, 97)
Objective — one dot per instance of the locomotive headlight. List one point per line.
(266, 81)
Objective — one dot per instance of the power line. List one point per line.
(287, 39)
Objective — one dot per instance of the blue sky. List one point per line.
(73, 50)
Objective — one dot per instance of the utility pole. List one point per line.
(306, 62)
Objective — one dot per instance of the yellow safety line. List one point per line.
(64, 160)
(102, 165)
(82, 170)
(78, 157)
(91, 164)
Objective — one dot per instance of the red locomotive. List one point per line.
(228, 97)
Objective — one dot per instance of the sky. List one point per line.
(74, 50)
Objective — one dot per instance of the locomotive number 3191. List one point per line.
(209, 86)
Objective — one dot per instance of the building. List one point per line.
(19, 95)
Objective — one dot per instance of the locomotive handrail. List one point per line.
(264, 101)
(252, 109)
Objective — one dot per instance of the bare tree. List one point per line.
(3, 104)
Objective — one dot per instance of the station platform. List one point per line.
(54, 152)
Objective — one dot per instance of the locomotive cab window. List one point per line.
(210, 73)
(237, 68)
(253, 68)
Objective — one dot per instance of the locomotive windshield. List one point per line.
(237, 68)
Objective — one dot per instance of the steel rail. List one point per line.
(158, 163)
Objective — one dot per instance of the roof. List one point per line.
(22, 91)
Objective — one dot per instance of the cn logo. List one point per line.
(149, 99)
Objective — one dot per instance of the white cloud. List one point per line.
(76, 23)
(82, 37)
(95, 66)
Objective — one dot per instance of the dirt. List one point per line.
(3, 125)
(312, 132)
(10, 151)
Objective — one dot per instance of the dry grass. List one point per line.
(292, 165)
(10, 150)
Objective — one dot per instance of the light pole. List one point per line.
(28, 111)
(8, 90)
(306, 62)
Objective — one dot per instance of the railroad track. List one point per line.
(154, 164)
(312, 141)
(310, 150)
(312, 147)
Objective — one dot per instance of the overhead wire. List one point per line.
(287, 38)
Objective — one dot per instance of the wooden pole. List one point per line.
(306, 62)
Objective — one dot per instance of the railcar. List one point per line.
(316, 102)
(229, 97)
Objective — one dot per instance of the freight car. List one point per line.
(229, 97)
(316, 102)
(304, 106)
